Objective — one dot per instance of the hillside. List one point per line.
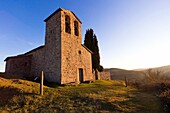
(165, 70)
(101, 96)
(162, 68)
(119, 74)
(136, 74)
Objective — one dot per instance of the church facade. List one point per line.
(63, 57)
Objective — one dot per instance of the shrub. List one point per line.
(154, 75)
(165, 100)
(100, 68)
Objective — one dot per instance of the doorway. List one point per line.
(81, 75)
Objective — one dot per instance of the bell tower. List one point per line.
(62, 39)
(71, 39)
(52, 60)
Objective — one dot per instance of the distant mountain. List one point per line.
(119, 74)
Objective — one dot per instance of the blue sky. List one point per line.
(131, 33)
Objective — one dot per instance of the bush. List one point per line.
(100, 68)
(154, 75)
(165, 99)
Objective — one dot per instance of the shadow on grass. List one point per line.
(86, 103)
(142, 102)
(6, 94)
(52, 85)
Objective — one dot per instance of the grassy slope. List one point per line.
(100, 96)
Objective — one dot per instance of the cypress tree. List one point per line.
(91, 43)
(88, 41)
(96, 56)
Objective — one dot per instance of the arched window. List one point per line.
(76, 31)
(67, 24)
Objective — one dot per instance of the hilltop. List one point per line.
(18, 95)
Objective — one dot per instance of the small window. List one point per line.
(79, 52)
(67, 24)
(76, 32)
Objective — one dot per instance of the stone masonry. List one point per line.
(105, 75)
(63, 58)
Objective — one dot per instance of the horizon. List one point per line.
(131, 34)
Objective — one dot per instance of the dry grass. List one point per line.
(100, 96)
(157, 83)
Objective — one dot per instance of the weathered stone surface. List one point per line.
(63, 58)
(74, 55)
(37, 61)
(20, 65)
(52, 62)
(105, 75)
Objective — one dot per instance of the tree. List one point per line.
(91, 43)
(95, 56)
(88, 41)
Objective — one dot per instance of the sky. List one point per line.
(131, 33)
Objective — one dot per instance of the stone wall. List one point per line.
(63, 55)
(85, 61)
(71, 47)
(52, 66)
(37, 61)
(104, 75)
(19, 65)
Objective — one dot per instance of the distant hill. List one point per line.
(136, 74)
(119, 74)
(164, 69)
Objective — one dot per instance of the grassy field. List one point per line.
(101, 96)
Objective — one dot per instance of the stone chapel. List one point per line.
(63, 57)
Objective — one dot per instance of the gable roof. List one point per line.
(61, 9)
(26, 54)
(18, 56)
(87, 48)
(34, 49)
